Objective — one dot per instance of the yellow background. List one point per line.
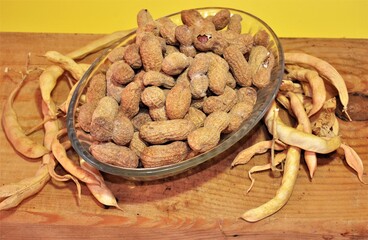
(288, 18)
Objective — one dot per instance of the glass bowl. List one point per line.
(250, 24)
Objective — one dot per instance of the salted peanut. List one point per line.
(204, 36)
(217, 73)
(120, 72)
(117, 54)
(197, 72)
(151, 53)
(220, 43)
(146, 24)
(96, 88)
(257, 57)
(132, 56)
(223, 102)
(198, 103)
(178, 100)
(162, 155)
(184, 36)
(175, 63)
(261, 62)
(158, 114)
(103, 119)
(244, 42)
(138, 78)
(158, 132)
(230, 80)
(158, 79)
(199, 86)
(167, 30)
(196, 116)
(238, 65)
(130, 99)
(137, 144)
(262, 38)
(199, 65)
(141, 118)
(221, 19)
(237, 115)
(85, 116)
(235, 23)
(144, 18)
(123, 130)
(113, 89)
(191, 17)
(154, 98)
(207, 137)
(170, 49)
(247, 94)
(113, 154)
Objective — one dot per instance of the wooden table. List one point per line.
(204, 203)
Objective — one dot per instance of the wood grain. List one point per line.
(204, 203)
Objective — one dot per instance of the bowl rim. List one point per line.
(144, 174)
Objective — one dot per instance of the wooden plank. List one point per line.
(205, 202)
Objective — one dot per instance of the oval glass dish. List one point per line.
(250, 24)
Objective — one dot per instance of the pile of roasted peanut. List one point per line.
(174, 90)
